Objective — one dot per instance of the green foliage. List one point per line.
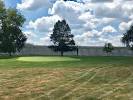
(12, 38)
(127, 38)
(108, 47)
(62, 38)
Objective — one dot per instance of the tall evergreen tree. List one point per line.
(12, 38)
(127, 38)
(62, 38)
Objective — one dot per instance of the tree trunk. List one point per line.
(77, 51)
(62, 53)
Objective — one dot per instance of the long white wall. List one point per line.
(83, 51)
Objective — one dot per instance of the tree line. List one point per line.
(63, 39)
(12, 39)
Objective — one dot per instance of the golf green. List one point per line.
(46, 59)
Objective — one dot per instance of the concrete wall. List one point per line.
(83, 51)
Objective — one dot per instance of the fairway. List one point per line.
(74, 78)
(47, 59)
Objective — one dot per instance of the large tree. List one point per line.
(12, 38)
(127, 38)
(62, 38)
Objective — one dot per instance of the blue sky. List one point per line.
(12, 3)
(28, 14)
(93, 22)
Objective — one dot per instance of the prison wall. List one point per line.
(82, 51)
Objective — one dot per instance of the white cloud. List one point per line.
(120, 9)
(33, 4)
(108, 29)
(44, 24)
(69, 10)
(101, 1)
(91, 23)
(125, 25)
(98, 38)
(109, 10)
(30, 35)
(44, 41)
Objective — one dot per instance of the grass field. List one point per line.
(66, 78)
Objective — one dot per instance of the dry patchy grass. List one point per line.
(105, 83)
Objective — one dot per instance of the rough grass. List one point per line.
(91, 78)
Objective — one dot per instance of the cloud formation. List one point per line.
(34, 4)
(93, 22)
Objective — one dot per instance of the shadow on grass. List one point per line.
(7, 57)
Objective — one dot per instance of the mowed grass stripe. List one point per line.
(83, 83)
(114, 90)
(106, 89)
(85, 74)
(56, 94)
(80, 85)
